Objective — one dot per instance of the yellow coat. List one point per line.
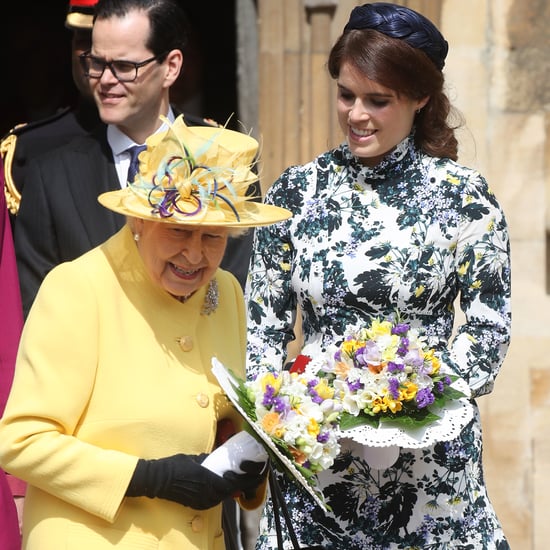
(101, 380)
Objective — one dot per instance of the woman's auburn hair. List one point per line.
(408, 71)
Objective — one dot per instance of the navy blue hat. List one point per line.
(402, 23)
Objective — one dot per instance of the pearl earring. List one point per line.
(136, 237)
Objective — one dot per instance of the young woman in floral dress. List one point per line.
(389, 221)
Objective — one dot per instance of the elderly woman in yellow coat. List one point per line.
(114, 406)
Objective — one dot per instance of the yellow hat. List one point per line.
(195, 175)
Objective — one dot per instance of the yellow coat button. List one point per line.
(202, 400)
(197, 524)
(186, 343)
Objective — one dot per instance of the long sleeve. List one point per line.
(270, 295)
(56, 372)
(484, 276)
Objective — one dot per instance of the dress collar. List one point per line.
(404, 153)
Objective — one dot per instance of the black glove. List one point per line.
(182, 479)
(248, 483)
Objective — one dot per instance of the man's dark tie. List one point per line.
(133, 169)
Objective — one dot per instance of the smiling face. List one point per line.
(134, 107)
(374, 118)
(180, 258)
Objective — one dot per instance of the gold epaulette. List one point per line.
(7, 151)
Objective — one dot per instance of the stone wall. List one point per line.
(499, 72)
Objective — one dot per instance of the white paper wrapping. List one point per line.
(454, 416)
(228, 457)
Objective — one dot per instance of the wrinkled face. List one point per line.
(179, 258)
(374, 118)
(132, 106)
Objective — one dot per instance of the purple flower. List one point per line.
(267, 401)
(392, 367)
(413, 358)
(403, 348)
(424, 397)
(280, 405)
(323, 437)
(315, 397)
(354, 386)
(440, 384)
(400, 328)
(393, 387)
(369, 353)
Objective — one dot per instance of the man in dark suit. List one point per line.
(26, 141)
(136, 56)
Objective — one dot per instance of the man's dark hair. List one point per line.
(169, 23)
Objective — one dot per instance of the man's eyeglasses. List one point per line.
(124, 71)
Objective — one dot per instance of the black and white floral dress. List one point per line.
(418, 235)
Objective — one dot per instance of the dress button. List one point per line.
(202, 400)
(186, 343)
(197, 524)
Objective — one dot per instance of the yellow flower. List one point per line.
(392, 404)
(379, 328)
(391, 350)
(269, 379)
(407, 391)
(313, 427)
(324, 390)
(349, 346)
(378, 405)
(436, 363)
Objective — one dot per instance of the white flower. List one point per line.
(300, 413)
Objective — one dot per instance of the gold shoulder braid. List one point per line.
(7, 151)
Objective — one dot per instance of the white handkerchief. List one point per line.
(228, 457)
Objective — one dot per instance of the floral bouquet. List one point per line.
(295, 415)
(391, 386)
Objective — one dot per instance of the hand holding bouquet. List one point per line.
(382, 387)
(296, 416)
(387, 377)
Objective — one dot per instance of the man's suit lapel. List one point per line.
(95, 173)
